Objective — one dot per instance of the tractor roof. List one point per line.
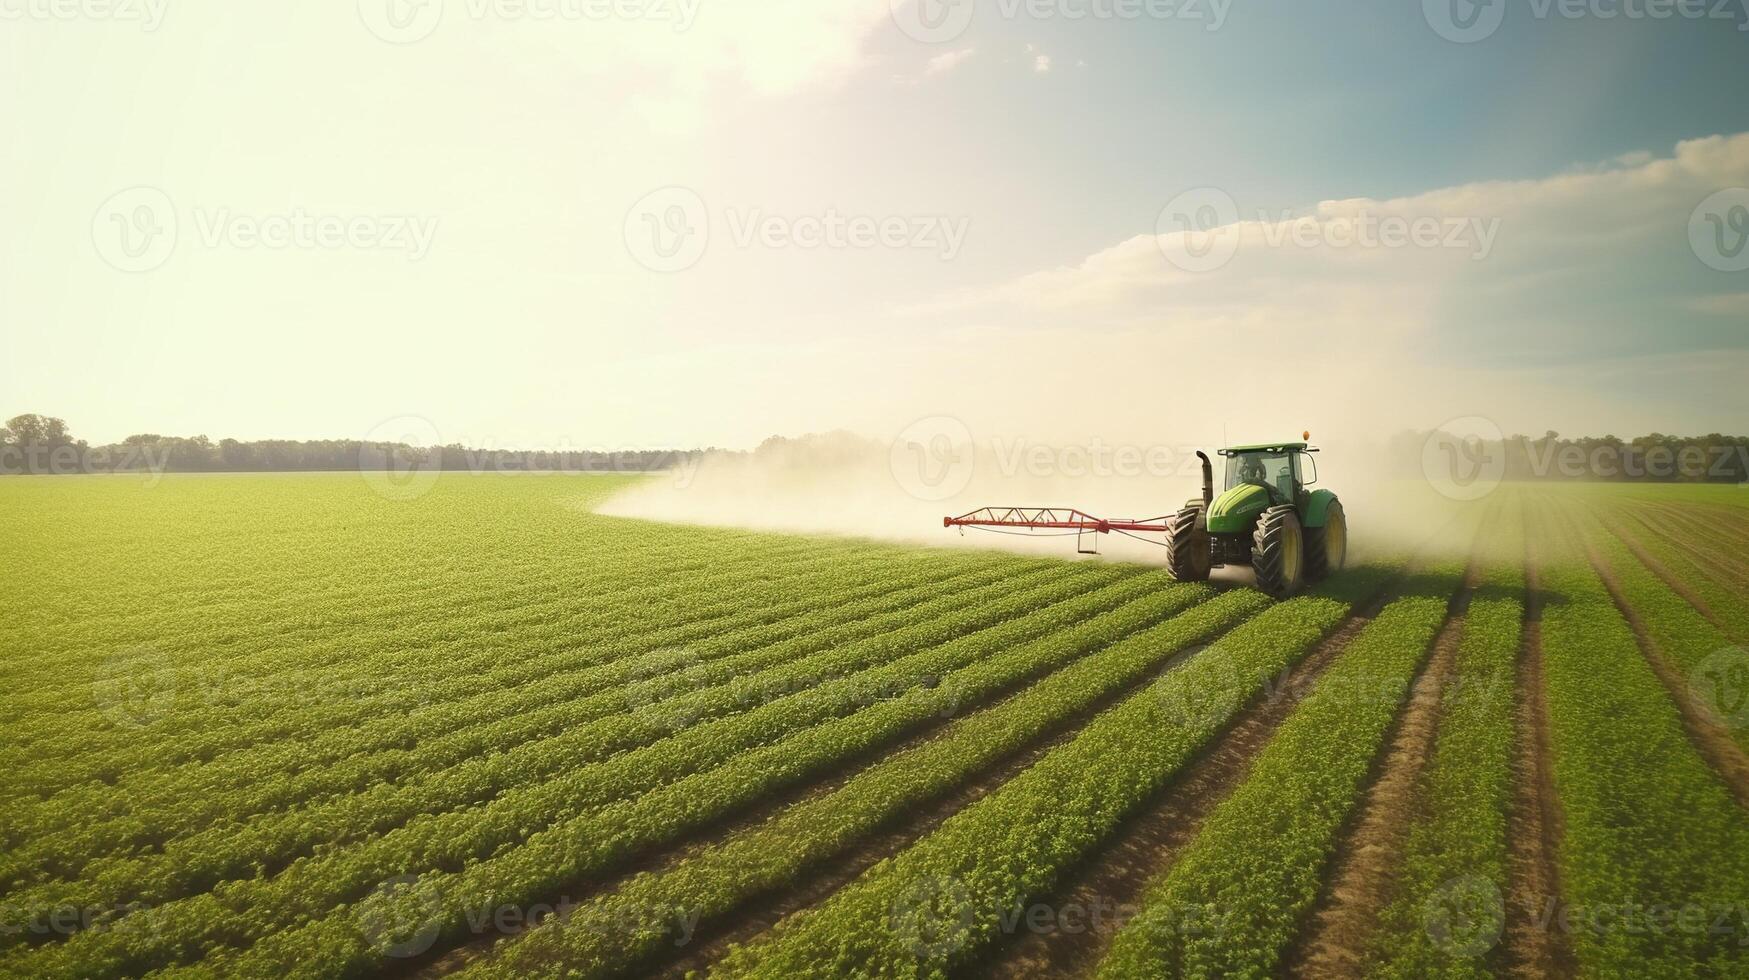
(1267, 447)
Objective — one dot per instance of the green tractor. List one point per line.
(1265, 517)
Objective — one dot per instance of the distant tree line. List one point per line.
(1655, 458)
(37, 444)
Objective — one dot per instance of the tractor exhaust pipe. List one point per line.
(1208, 479)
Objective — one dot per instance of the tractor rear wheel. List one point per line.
(1187, 546)
(1327, 546)
(1278, 551)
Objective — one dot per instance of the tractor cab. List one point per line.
(1283, 470)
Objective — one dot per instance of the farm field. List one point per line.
(282, 725)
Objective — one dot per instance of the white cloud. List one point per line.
(1544, 227)
(948, 60)
(1564, 319)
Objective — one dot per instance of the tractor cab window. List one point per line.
(1279, 470)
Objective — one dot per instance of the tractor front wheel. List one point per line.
(1278, 551)
(1187, 546)
(1327, 546)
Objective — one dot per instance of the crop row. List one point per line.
(941, 901)
(435, 544)
(1648, 826)
(79, 538)
(536, 832)
(199, 624)
(595, 844)
(1717, 528)
(1715, 548)
(287, 665)
(1233, 898)
(351, 760)
(264, 665)
(1448, 905)
(1676, 553)
(614, 933)
(1687, 642)
(513, 784)
(543, 650)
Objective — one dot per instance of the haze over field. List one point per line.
(840, 484)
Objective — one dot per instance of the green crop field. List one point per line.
(283, 725)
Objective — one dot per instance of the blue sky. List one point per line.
(536, 155)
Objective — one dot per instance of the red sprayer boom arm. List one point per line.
(1062, 520)
(1051, 518)
(1068, 520)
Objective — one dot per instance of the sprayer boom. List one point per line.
(1068, 520)
(1064, 520)
(1050, 518)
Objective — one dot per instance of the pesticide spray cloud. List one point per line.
(901, 488)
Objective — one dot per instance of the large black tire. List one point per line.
(1327, 546)
(1278, 551)
(1187, 545)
